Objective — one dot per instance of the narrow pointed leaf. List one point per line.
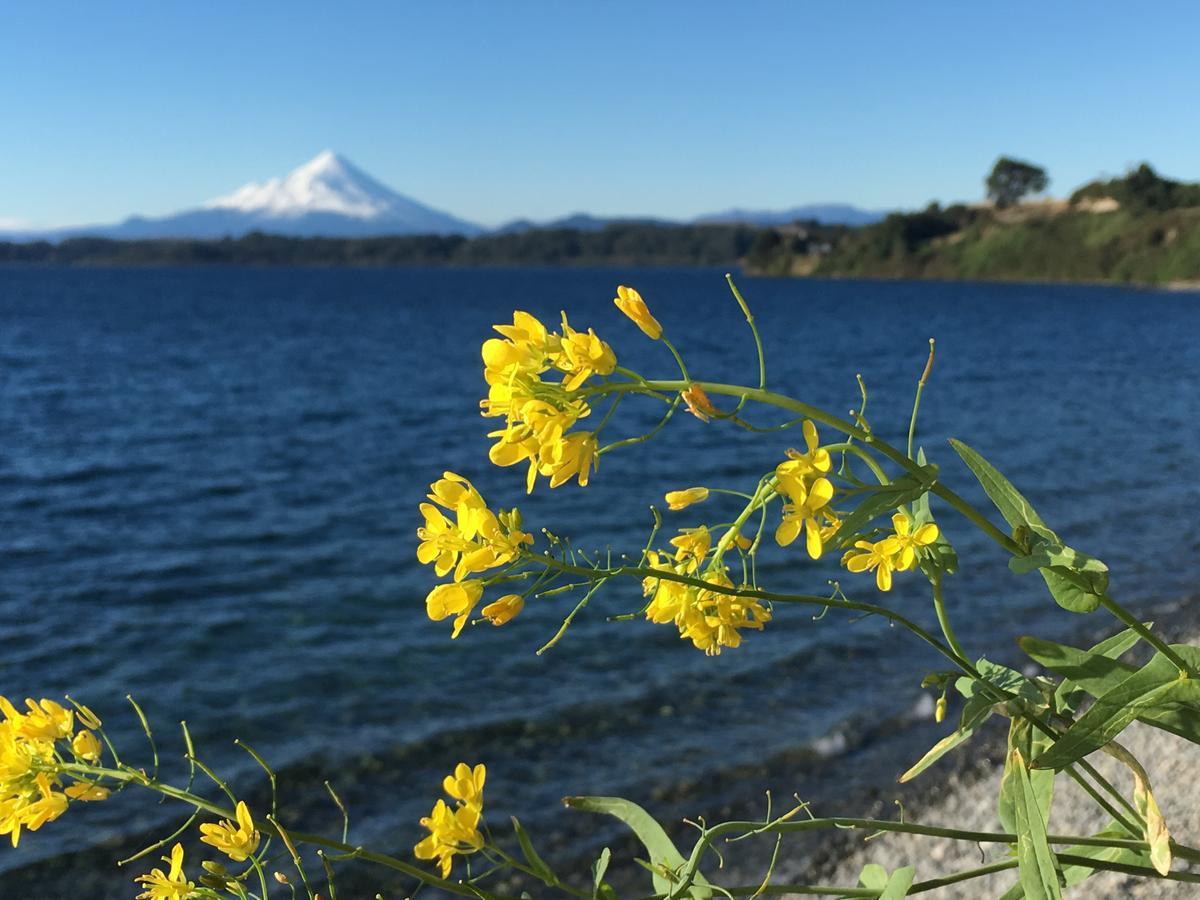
(667, 865)
(536, 863)
(975, 712)
(1039, 876)
(1153, 690)
(1012, 505)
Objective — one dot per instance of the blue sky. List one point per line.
(493, 110)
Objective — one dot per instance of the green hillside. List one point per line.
(1138, 229)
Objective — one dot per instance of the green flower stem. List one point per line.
(847, 447)
(298, 837)
(762, 365)
(939, 606)
(770, 398)
(912, 423)
(763, 495)
(964, 665)
(1126, 617)
(933, 884)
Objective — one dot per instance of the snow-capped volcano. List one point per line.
(328, 196)
(327, 183)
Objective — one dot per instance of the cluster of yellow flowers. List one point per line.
(539, 414)
(895, 553)
(709, 619)
(236, 839)
(807, 493)
(454, 830)
(33, 747)
(476, 540)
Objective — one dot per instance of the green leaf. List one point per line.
(886, 498)
(1156, 834)
(536, 863)
(1039, 875)
(599, 867)
(894, 887)
(1008, 680)
(1069, 591)
(975, 712)
(1076, 591)
(1012, 505)
(1074, 874)
(1153, 690)
(1081, 669)
(1094, 672)
(667, 865)
(1023, 737)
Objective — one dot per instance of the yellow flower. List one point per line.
(239, 841)
(583, 355)
(86, 791)
(692, 544)
(476, 540)
(710, 619)
(698, 403)
(538, 414)
(455, 831)
(45, 720)
(466, 784)
(807, 506)
(171, 885)
(504, 610)
(85, 746)
(456, 599)
(879, 556)
(910, 541)
(573, 457)
(677, 500)
(631, 303)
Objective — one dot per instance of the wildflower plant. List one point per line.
(843, 492)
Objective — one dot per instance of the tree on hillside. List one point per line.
(1011, 179)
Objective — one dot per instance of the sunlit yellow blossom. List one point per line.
(456, 599)
(45, 720)
(170, 885)
(86, 791)
(910, 541)
(455, 831)
(631, 303)
(476, 540)
(583, 355)
(815, 459)
(806, 508)
(237, 841)
(677, 500)
(693, 544)
(466, 784)
(879, 556)
(539, 413)
(526, 349)
(710, 619)
(498, 612)
(574, 457)
(85, 746)
(698, 403)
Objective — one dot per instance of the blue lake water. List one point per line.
(208, 492)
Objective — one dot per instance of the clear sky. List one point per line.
(494, 110)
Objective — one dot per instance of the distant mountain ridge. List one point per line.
(825, 213)
(331, 197)
(326, 197)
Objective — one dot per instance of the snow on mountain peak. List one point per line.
(327, 183)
